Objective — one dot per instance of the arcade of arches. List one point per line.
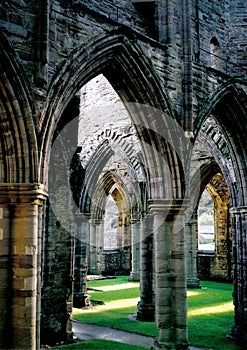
(122, 151)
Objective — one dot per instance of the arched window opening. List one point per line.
(215, 53)
(110, 224)
(206, 235)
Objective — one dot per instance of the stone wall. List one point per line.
(68, 30)
(49, 50)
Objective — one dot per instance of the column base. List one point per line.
(145, 312)
(237, 335)
(170, 346)
(81, 300)
(134, 277)
(193, 283)
(92, 271)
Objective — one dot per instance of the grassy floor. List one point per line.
(210, 311)
(100, 345)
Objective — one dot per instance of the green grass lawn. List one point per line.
(100, 345)
(210, 311)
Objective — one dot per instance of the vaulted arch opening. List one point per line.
(154, 170)
(222, 130)
(122, 63)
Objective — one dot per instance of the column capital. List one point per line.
(171, 206)
(95, 222)
(238, 210)
(134, 221)
(82, 217)
(17, 193)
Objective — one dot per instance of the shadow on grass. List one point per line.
(210, 312)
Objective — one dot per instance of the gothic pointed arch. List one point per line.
(109, 183)
(95, 166)
(133, 77)
(216, 151)
(228, 107)
(200, 179)
(18, 120)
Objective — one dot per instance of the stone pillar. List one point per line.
(92, 259)
(135, 251)
(191, 250)
(170, 275)
(57, 279)
(20, 280)
(238, 333)
(41, 223)
(100, 246)
(146, 305)
(81, 297)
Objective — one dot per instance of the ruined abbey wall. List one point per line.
(186, 60)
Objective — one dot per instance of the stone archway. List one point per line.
(217, 264)
(21, 200)
(166, 156)
(228, 107)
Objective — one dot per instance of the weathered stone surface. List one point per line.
(185, 59)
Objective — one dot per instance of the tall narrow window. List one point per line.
(206, 240)
(215, 53)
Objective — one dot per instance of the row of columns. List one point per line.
(20, 234)
(138, 227)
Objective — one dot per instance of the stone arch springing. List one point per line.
(228, 108)
(19, 116)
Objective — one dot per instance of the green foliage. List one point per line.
(210, 311)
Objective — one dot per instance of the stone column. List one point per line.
(191, 250)
(100, 246)
(135, 251)
(238, 333)
(81, 297)
(146, 305)
(170, 275)
(40, 262)
(92, 259)
(19, 261)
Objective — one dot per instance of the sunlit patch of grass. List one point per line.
(111, 305)
(119, 286)
(210, 311)
(192, 293)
